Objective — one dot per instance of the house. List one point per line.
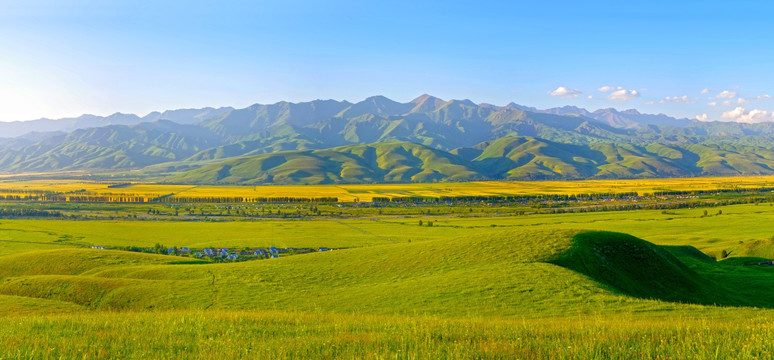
(98, 247)
(198, 254)
(323, 249)
(224, 252)
(259, 252)
(273, 250)
(233, 256)
(274, 256)
(209, 252)
(185, 250)
(170, 251)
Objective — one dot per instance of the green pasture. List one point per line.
(741, 230)
(295, 335)
(511, 273)
(532, 287)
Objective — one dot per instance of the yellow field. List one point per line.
(366, 192)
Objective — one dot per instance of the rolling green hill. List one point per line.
(111, 147)
(467, 290)
(382, 162)
(516, 158)
(515, 273)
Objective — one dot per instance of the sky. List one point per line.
(696, 59)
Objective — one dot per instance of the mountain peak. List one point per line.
(378, 98)
(424, 97)
(377, 105)
(426, 103)
(514, 106)
(463, 102)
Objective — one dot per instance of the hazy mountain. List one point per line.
(18, 128)
(627, 119)
(375, 105)
(109, 147)
(481, 141)
(425, 103)
(186, 116)
(425, 120)
(259, 120)
(183, 116)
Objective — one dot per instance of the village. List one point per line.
(220, 254)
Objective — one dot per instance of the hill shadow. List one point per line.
(635, 267)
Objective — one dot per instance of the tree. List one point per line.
(158, 248)
(420, 222)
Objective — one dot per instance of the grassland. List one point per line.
(294, 335)
(348, 193)
(737, 230)
(503, 297)
(680, 283)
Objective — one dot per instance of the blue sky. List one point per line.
(686, 59)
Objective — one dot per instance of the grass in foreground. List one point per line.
(513, 294)
(741, 334)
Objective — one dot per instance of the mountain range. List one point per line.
(381, 140)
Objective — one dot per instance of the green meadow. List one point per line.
(739, 229)
(656, 284)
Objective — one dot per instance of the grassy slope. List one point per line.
(737, 230)
(293, 335)
(352, 164)
(509, 157)
(543, 295)
(639, 268)
(496, 274)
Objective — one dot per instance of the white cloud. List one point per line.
(763, 97)
(591, 97)
(712, 103)
(702, 117)
(650, 103)
(733, 114)
(705, 91)
(565, 92)
(618, 93)
(726, 103)
(725, 94)
(621, 94)
(756, 115)
(739, 114)
(676, 99)
(741, 101)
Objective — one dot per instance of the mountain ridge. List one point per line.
(423, 103)
(507, 158)
(563, 143)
